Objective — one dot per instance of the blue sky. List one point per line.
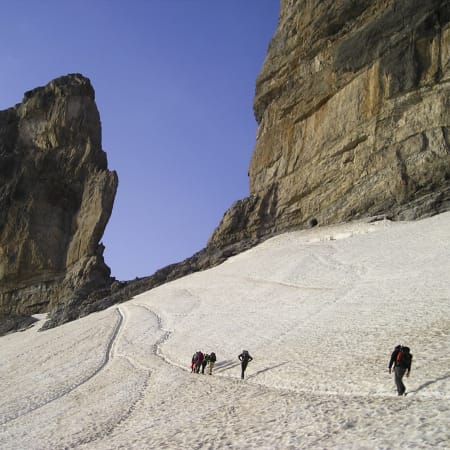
(174, 83)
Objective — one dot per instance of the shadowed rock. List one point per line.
(56, 197)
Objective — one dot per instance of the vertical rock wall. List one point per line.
(352, 104)
(56, 197)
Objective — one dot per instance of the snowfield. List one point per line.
(319, 310)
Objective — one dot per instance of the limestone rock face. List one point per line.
(353, 107)
(56, 197)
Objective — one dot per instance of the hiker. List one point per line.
(193, 362)
(245, 358)
(198, 361)
(212, 361)
(401, 358)
(204, 362)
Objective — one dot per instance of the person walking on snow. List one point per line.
(212, 361)
(193, 362)
(198, 362)
(401, 359)
(245, 358)
(204, 362)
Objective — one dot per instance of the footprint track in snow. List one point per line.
(106, 358)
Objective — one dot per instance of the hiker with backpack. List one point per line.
(205, 362)
(198, 361)
(212, 361)
(245, 358)
(193, 362)
(401, 359)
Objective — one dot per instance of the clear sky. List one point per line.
(174, 83)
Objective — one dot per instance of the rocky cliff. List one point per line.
(56, 196)
(352, 104)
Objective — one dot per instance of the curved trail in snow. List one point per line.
(103, 431)
(106, 358)
(114, 353)
(156, 347)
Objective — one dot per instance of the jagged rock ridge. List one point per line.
(56, 196)
(353, 111)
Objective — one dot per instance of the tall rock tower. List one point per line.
(56, 197)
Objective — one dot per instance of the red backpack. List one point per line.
(403, 357)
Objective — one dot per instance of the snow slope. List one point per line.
(319, 310)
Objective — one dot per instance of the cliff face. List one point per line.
(352, 104)
(56, 196)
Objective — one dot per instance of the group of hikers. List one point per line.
(200, 360)
(400, 361)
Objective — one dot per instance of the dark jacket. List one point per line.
(245, 357)
(394, 356)
(405, 359)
